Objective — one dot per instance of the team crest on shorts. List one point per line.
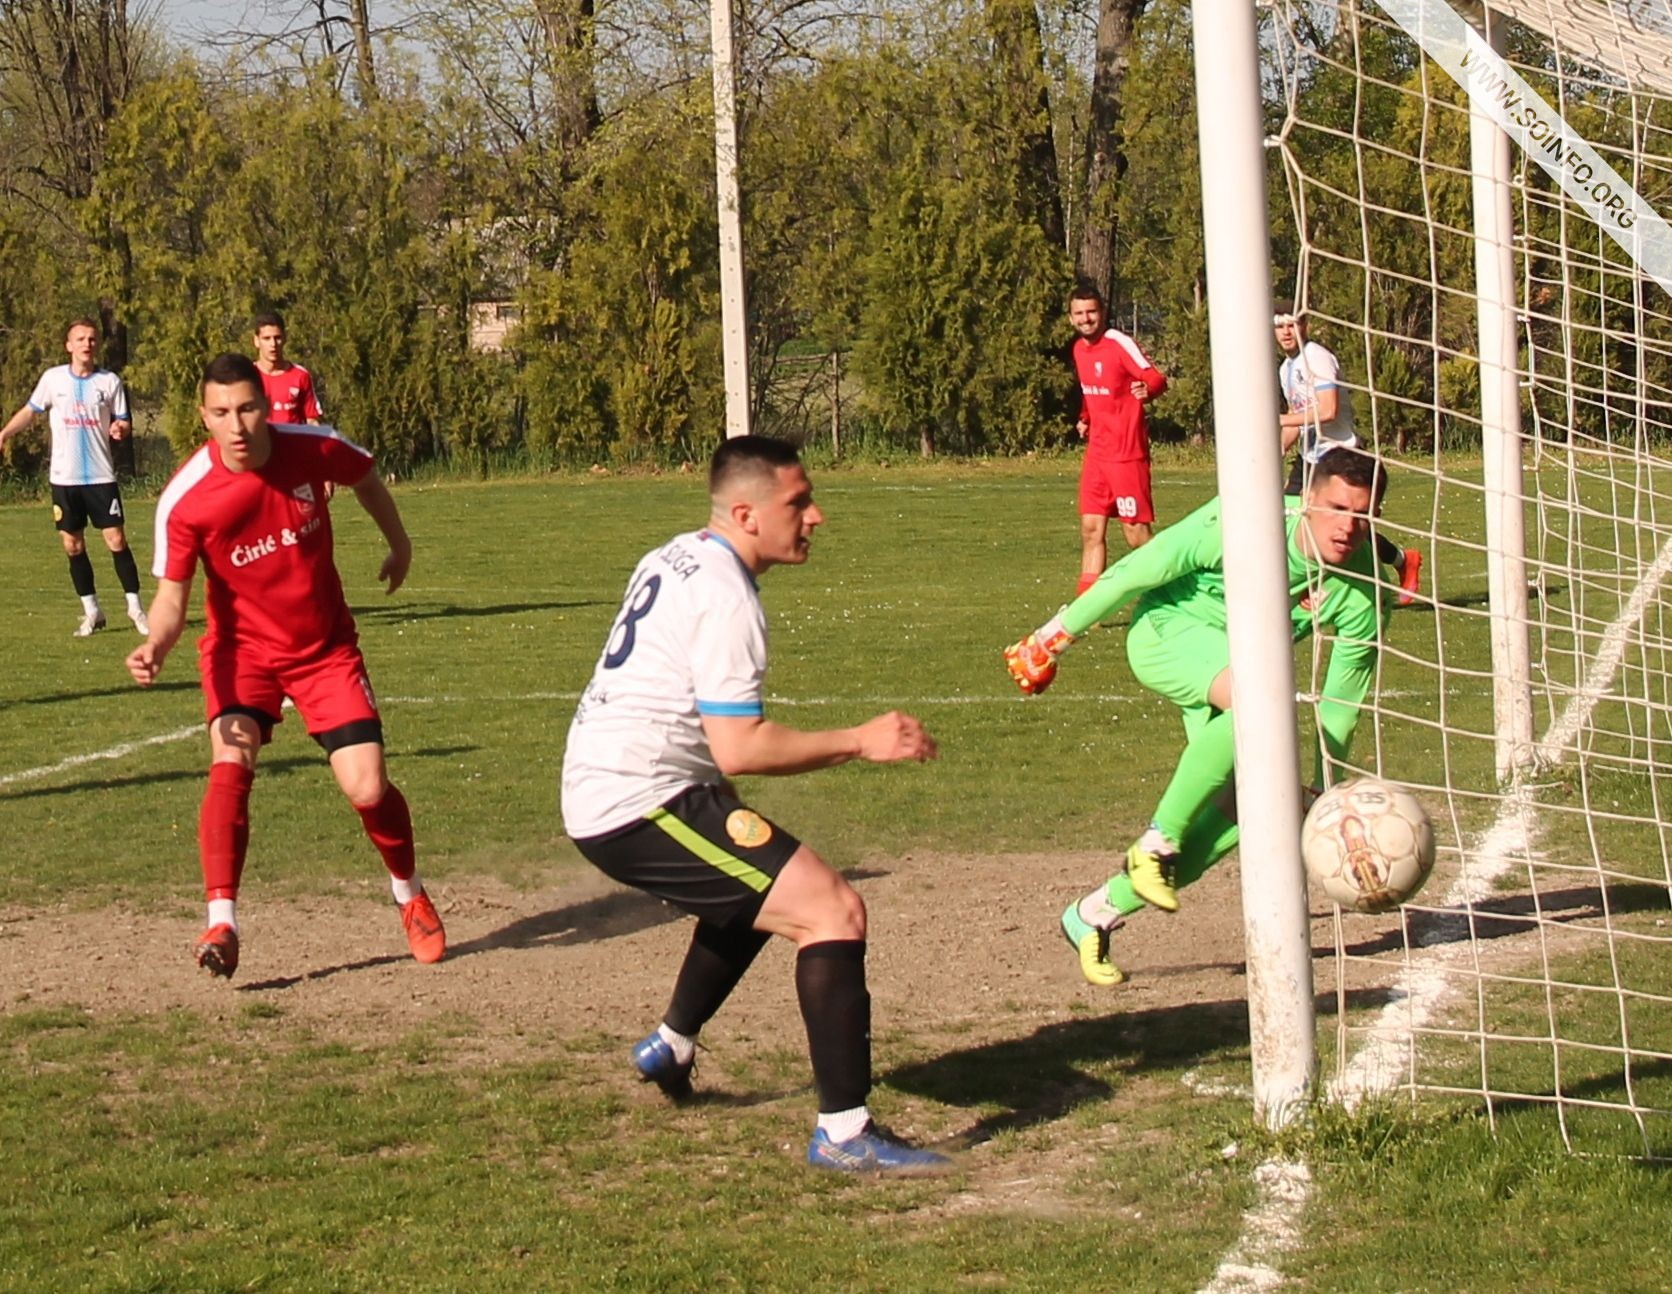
(747, 828)
(57, 513)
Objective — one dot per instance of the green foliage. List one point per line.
(895, 190)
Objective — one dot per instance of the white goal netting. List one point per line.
(1535, 970)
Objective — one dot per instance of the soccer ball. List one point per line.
(1368, 844)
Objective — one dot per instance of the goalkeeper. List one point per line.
(1179, 648)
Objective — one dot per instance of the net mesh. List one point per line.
(1533, 972)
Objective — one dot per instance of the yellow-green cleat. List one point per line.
(1152, 878)
(1092, 946)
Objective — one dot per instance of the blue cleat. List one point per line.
(872, 1151)
(656, 1063)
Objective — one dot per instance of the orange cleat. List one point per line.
(424, 934)
(216, 950)
(1409, 577)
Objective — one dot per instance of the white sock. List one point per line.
(1050, 629)
(683, 1047)
(1096, 910)
(223, 912)
(90, 604)
(1153, 843)
(845, 1125)
(407, 890)
(133, 604)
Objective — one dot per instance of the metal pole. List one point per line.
(734, 329)
(1275, 924)
(1500, 424)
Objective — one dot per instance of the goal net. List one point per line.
(1534, 972)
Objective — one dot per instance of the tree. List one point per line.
(67, 68)
(1105, 149)
(1025, 105)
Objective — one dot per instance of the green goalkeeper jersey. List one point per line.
(1183, 570)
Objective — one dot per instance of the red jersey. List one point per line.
(1107, 368)
(264, 538)
(290, 394)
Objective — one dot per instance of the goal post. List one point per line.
(1282, 1027)
(1477, 244)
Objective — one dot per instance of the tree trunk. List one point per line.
(568, 25)
(1105, 158)
(1018, 53)
(365, 71)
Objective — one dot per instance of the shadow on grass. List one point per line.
(1481, 598)
(324, 972)
(609, 916)
(1653, 1136)
(403, 611)
(1512, 914)
(128, 689)
(269, 767)
(1042, 1076)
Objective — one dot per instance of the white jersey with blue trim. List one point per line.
(689, 640)
(1302, 376)
(80, 411)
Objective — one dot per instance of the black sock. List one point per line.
(1390, 553)
(716, 960)
(81, 574)
(830, 983)
(127, 570)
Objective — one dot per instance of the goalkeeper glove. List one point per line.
(1033, 661)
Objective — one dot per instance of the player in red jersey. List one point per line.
(1116, 381)
(291, 397)
(250, 506)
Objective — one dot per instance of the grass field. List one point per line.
(340, 1125)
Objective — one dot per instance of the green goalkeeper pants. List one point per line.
(1179, 657)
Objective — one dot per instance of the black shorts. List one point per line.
(1297, 476)
(704, 851)
(74, 506)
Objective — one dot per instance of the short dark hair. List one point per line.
(1086, 290)
(229, 369)
(1354, 466)
(85, 321)
(268, 319)
(742, 457)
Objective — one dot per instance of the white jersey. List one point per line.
(690, 640)
(80, 411)
(1304, 375)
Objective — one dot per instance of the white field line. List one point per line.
(1009, 698)
(1423, 987)
(1272, 1225)
(1270, 1228)
(112, 752)
(1012, 698)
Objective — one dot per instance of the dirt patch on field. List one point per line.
(955, 942)
(983, 1024)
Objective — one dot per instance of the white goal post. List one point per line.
(1514, 367)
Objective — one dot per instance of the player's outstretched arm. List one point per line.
(743, 745)
(16, 423)
(379, 504)
(168, 621)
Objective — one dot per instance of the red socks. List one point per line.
(1086, 581)
(223, 829)
(388, 824)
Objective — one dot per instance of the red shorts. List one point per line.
(1117, 490)
(330, 690)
